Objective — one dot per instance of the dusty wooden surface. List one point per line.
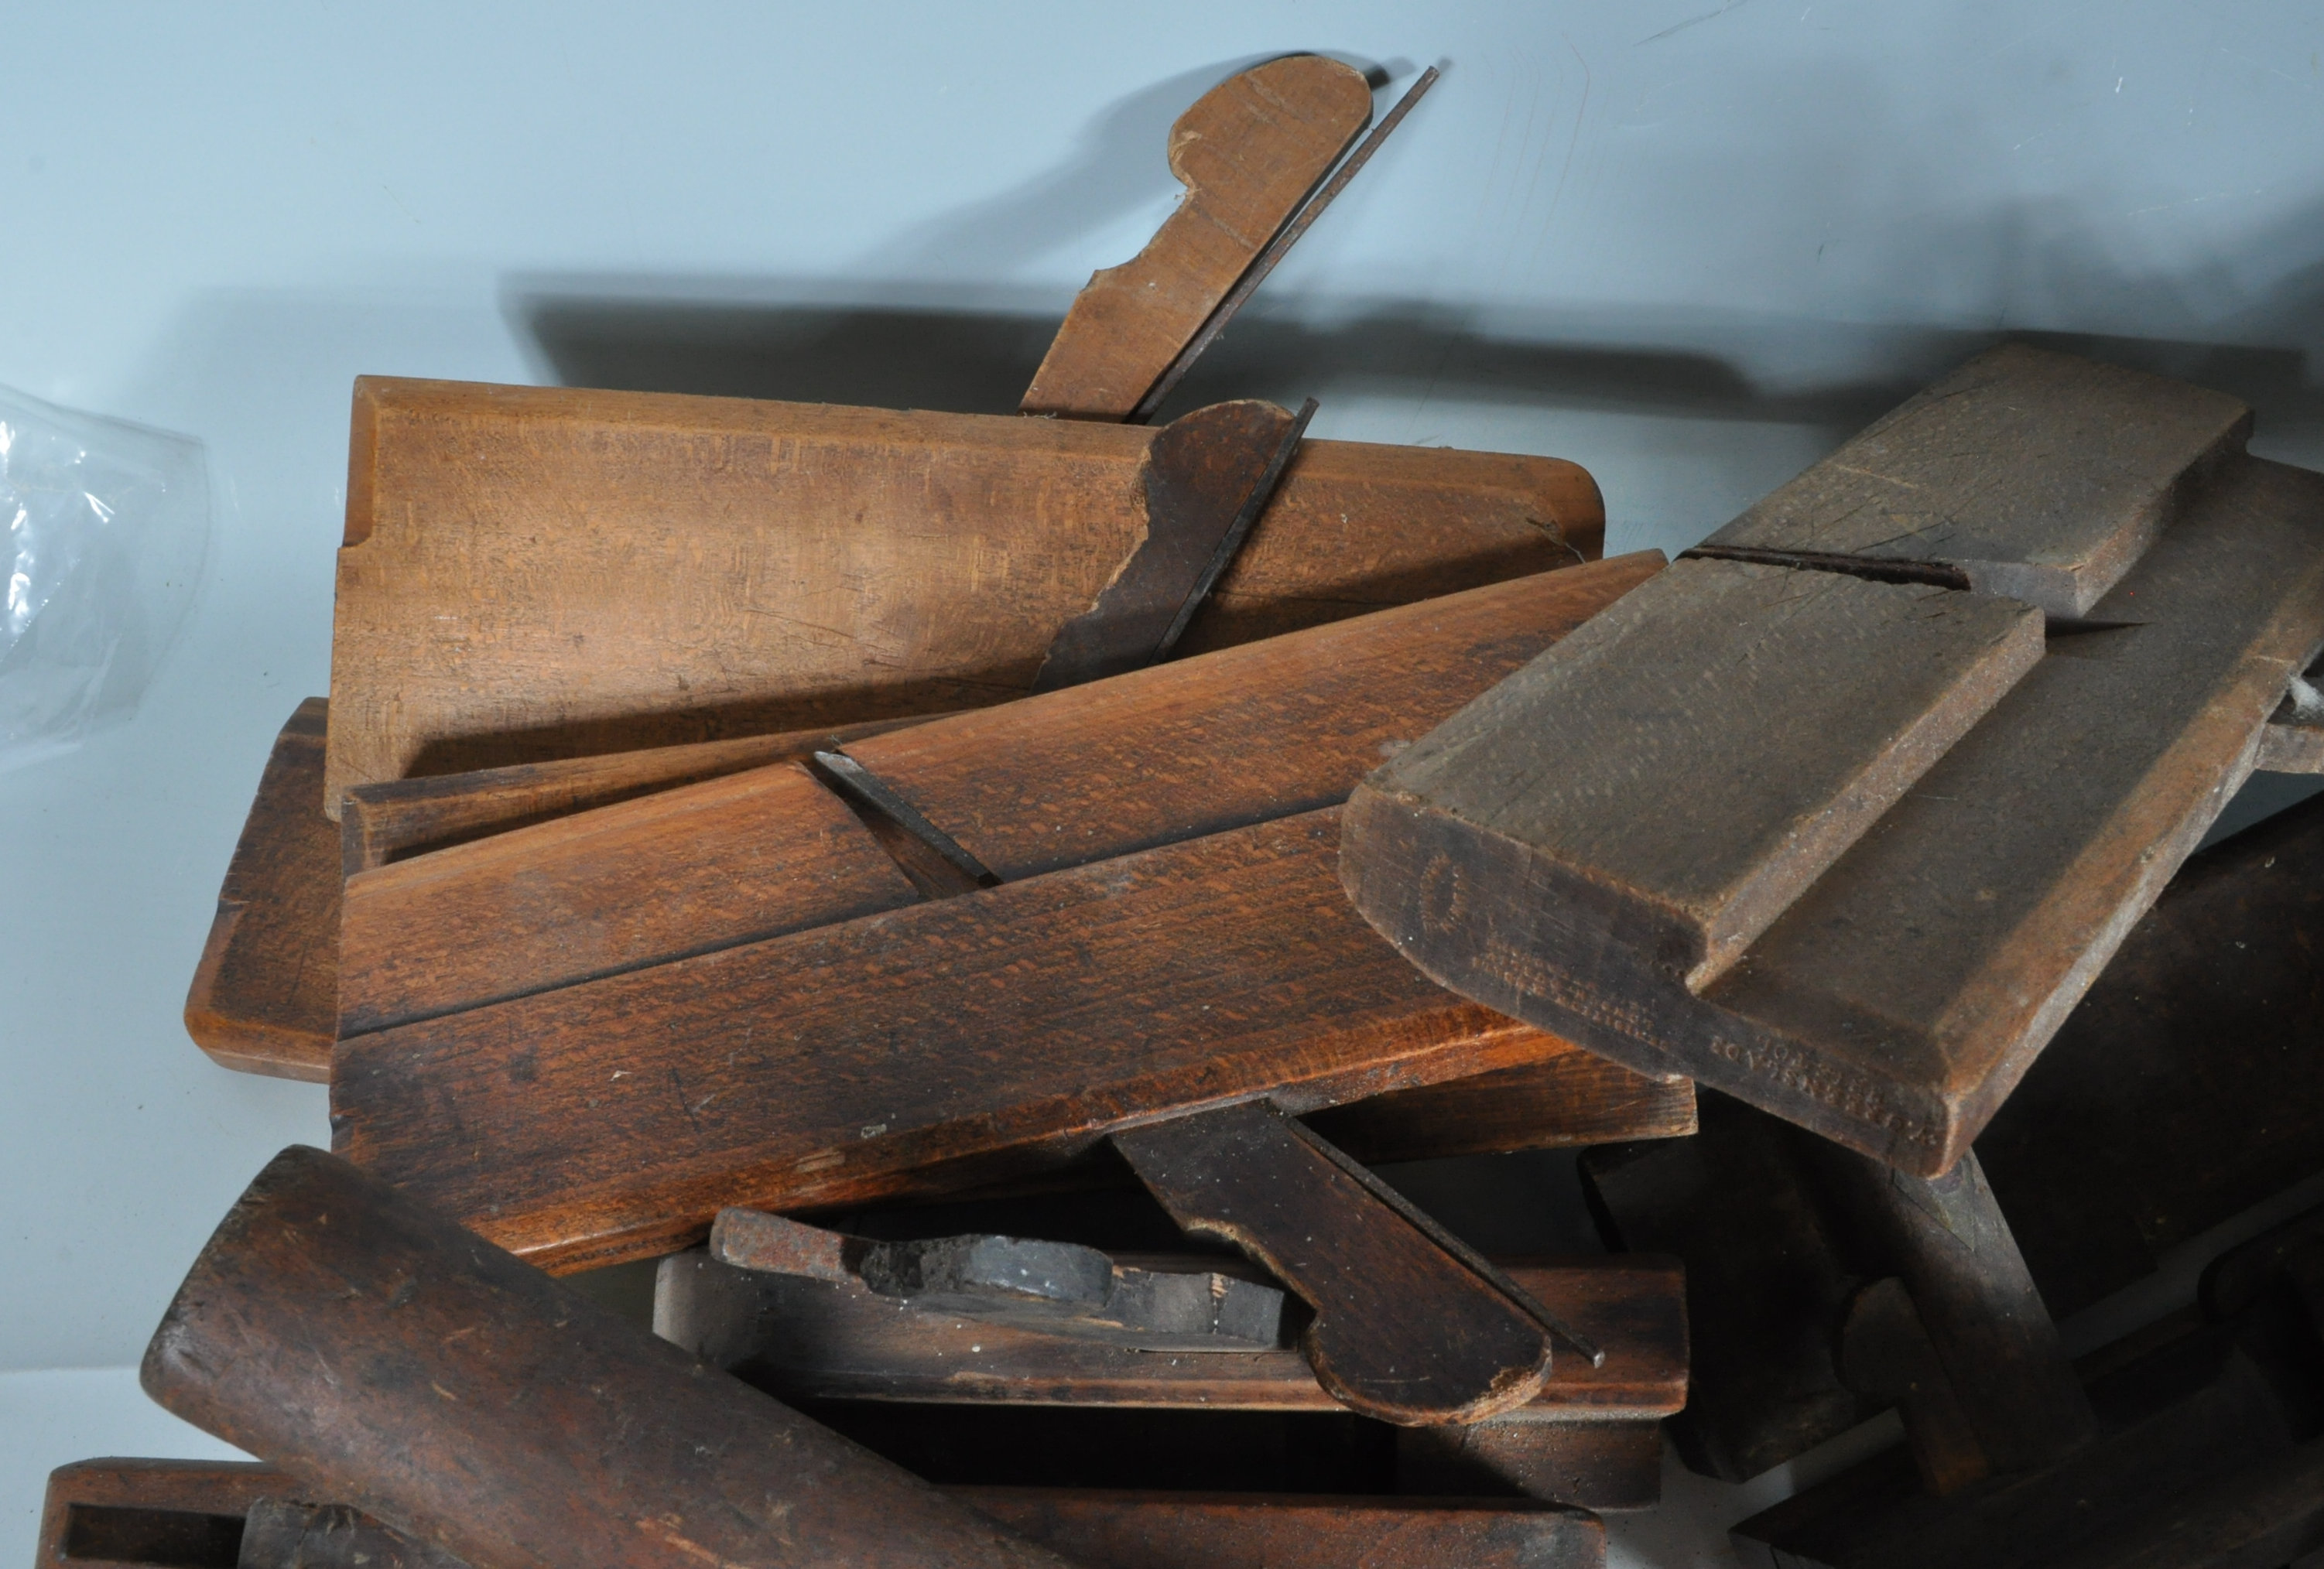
(2025, 854)
(287, 1533)
(541, 573)
(1401, 1329)
(2039, 475)
(264, 997)
(348, 1334)
(1665, 780)
(807, 1339)
(1248, 152)
(187, 1514)
(931, 1047)
(707, 866)
(1168, 753)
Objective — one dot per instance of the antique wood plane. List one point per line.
(2181, 1092)
(1841, 815)
(836, 1343)
(1194, 793)
(187, 1514)
(479, 1411)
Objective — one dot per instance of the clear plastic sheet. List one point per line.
(103, 525)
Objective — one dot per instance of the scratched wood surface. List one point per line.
(806, 1339)
(351, 1335)
(937, 1046)
(2025, 854)
(1248, 152)
(1575, 1097)
(2030, 474)
(193, 1514)
(264, 997)
(726, 861)
(1668, 778)
(1168, 753)
(540, 572)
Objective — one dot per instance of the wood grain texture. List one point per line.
(1248, 152)
(287, 1533)
(806, 1339)
(727, 861)
(399, 817)
(2039, 475)
(1575, 1097)
(264, 997)
(1200, 745)
(931, 1047)
(1401, 1330)
(189, 1513)
(2025, 854)
(541, 573)
(1672, 774)
(350, 1335)
(1169, 752)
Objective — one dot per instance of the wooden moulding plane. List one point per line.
(1827, 817)
(1015, 1352)
(472, 1410)
(2181, 1092)
(1141, 925)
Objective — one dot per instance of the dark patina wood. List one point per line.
(398, 1364)
(2027, 473)
(933, 1046)
(2025, 854)
(1402, 1330)
(2208, 1452)
(2182, 1090)
(264, 997)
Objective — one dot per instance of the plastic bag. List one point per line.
(104, 526)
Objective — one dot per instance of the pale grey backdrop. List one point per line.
(1689, 243)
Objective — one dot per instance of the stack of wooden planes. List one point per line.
(966, 902)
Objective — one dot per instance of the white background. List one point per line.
(1691, 245)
